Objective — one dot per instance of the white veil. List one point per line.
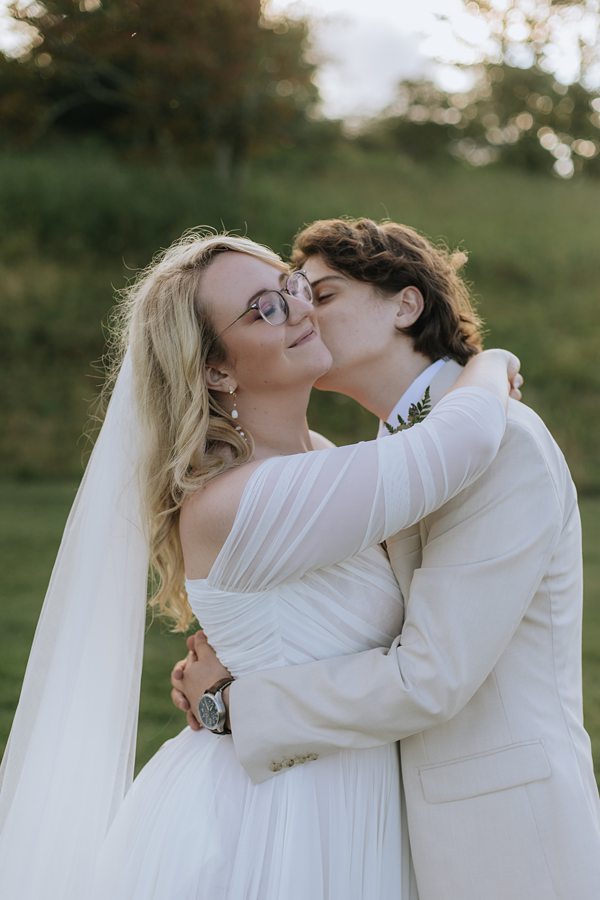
(70, 755)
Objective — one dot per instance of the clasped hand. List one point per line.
(194, 675)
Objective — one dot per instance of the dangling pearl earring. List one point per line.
(235, 414)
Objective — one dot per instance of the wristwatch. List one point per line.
(212, 711)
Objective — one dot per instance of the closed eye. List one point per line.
(323, 298)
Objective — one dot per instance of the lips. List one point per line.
(303, 337)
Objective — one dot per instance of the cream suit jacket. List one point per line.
(482, 688)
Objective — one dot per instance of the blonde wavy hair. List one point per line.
(188, 437)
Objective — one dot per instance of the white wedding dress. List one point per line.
(300, 577)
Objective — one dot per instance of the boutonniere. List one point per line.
(417, 412)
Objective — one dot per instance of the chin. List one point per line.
(322, 365)
(327, 381)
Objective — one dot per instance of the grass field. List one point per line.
(31, 520)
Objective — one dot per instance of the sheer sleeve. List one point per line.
(311, 510)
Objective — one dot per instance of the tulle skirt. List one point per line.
(194, 826)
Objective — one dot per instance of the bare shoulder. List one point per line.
(320, 442)
(207, 516)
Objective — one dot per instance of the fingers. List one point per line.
(177, 672)
(198, 640)
(192, 638)
(193, 721)
(191, 676)
(513, 366)
(517, 381)
(194, 642)
(515, 387)
(179, 700)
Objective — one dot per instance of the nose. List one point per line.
(299, 308)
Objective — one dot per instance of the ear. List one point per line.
(218, 379)
(410, 306)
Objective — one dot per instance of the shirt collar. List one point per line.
(413, 394)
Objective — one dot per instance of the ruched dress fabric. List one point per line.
(300, 577)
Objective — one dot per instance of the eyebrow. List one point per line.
(282, 279)
(319, 281)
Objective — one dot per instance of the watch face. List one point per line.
(209, 714)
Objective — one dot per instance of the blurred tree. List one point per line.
(528, 118)
(517, 109)
(543, 34)
(192, 78)
(421, 122)
(536, 86)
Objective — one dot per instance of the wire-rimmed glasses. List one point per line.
(272, 305)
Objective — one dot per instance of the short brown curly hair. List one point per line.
(390, 257)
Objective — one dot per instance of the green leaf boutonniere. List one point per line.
(417, 412)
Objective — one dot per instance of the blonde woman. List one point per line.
(206, 469)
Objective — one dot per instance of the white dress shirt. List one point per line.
(412, 394)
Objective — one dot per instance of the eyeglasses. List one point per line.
(272, 305)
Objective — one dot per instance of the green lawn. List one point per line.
(31, 520)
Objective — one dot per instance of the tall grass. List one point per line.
(76, 224)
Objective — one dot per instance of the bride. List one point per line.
(205, 469)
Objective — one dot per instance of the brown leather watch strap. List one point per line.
(220, 685)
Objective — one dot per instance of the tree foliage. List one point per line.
(537, 33)
(189, 77)
(524, 117)
(518, 108)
